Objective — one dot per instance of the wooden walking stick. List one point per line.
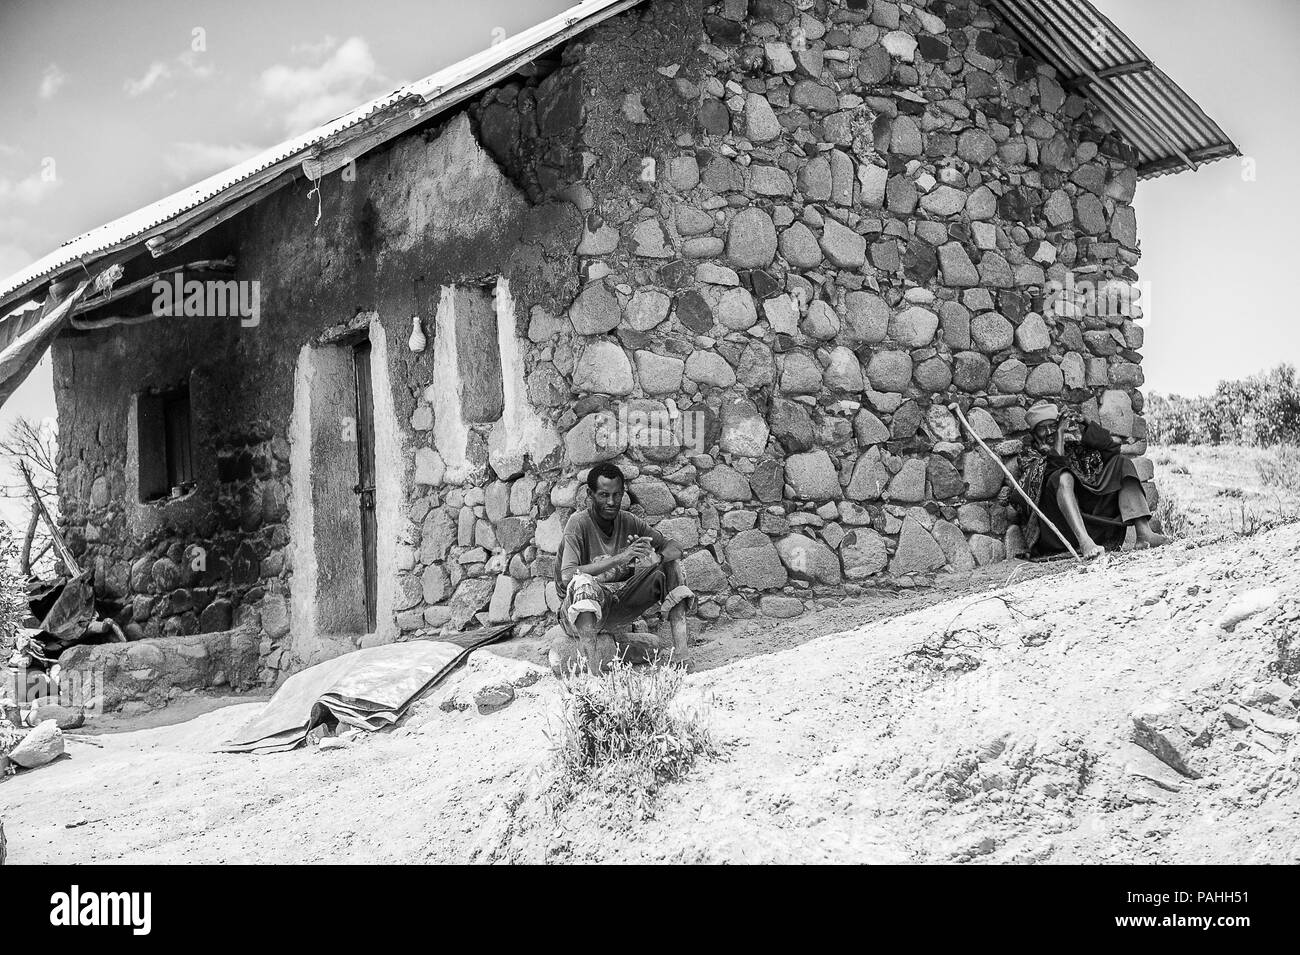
(1014, 483)
(60, 548)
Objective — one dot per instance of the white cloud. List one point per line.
(191, 161)
(188, 63)
(314, 51)
(51, 80)
(27, 191)
(158, 71)
(320, 92)
(194, 65)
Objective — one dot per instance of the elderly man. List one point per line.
(1077, 476)
(613, 568)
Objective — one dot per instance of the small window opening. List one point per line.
(165, 444)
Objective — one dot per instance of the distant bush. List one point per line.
(1280, 467)
(1259, 410)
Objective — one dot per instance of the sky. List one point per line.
(110, 106)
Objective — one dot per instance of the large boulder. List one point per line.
(603, 368)
(813, 476)
(802, 375)
(595, 310)
(659, 374)
(843, 373)
(726, 484)
(596, 437)
(982, 475)
(744, 432)
(918, 552)
(754, 561)
(751, 239)
(791, 425)
(913, 327)
(808, 559)
(864, 553)
(842, 246)
(703, 575)
(44, 744)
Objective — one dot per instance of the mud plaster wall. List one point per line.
(432, 211)
(788, 237)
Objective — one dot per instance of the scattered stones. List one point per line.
(64, 717)
(490, 699)
(1244, 606)
(42, 745)
(1167, 731)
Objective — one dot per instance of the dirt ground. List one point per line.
(1219, 487)
(983, 720)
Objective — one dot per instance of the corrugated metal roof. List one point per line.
(1153, 114)
(428, 96)
(1161, 121)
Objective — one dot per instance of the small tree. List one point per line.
(13, 593)
(33, 444)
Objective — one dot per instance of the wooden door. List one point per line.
(365, 488)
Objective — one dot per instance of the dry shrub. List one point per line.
(1280, 467)
(10, 736)
(1169, 514)
(1249, 522)
(624, 735)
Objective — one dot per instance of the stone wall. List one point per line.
(805, 236)
(749, 252)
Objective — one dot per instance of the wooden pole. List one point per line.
(26, 565)
(60, 548)
(1014, 483)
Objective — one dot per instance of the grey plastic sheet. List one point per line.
(369, 689)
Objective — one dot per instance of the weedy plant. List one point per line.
(1171, 517)
(1248, 522)
(624, 735)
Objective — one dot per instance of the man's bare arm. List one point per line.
(633, 552)
(666, 549)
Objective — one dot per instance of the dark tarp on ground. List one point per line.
(370, 689)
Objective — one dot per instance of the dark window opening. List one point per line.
(165, 444)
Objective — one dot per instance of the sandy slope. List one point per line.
(1007, 742)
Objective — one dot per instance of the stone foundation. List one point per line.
(149, 670)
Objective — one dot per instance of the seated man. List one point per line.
(609, 576)
(1078, 478)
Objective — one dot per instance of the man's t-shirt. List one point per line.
(584, 542)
